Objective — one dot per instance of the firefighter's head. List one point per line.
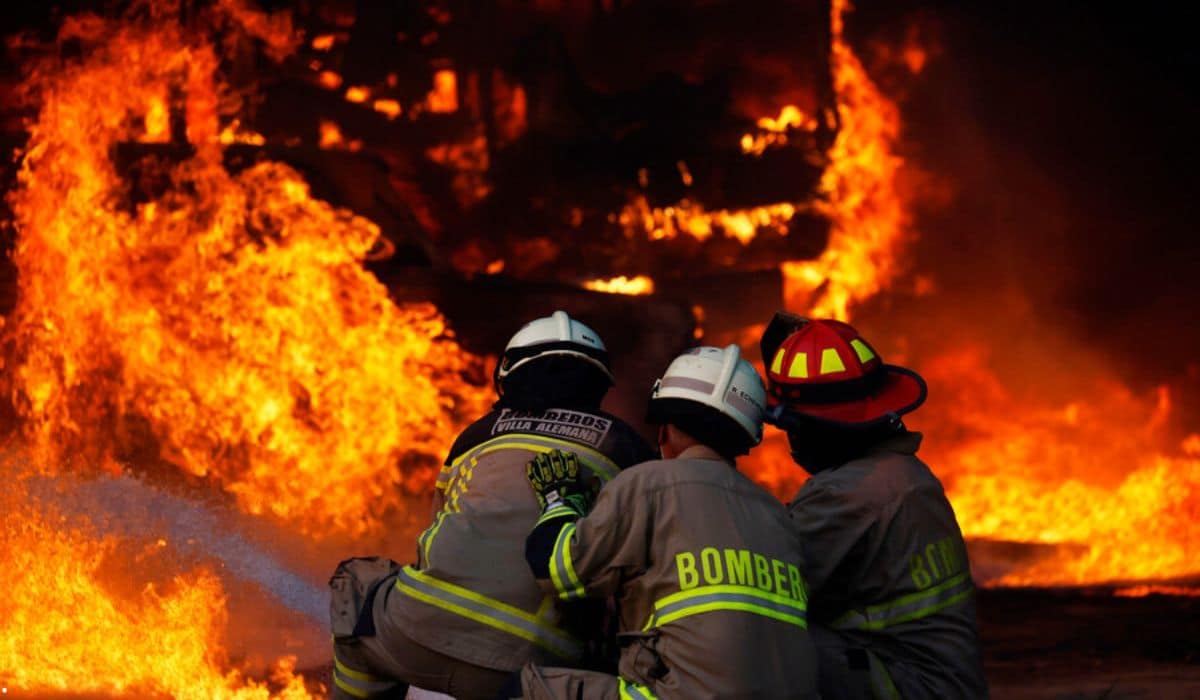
(712, 396)
(553, 361)
(831, 391)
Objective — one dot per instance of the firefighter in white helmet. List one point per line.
(468, 613)
(703, 562)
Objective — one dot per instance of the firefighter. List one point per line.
(891, 601)
(469, 614)
(703, 562)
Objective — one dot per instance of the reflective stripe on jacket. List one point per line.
(471, 595)
(887, 569)
(488, 611)
(706, 571)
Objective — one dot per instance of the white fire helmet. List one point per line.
(556, 334)
(721, 379)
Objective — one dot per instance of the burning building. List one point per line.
(260, 259)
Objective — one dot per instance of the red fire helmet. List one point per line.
(824, 370)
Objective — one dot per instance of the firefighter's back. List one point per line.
(720, 612)
(906, 594)
(471, 595)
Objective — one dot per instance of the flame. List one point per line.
(443, 98)
(233, 133)
(774, 130)
(158, 126)
(220, 324)
(330, 134)
(228, 319)
(869, 217)
(62, 629)
(388, 108)
(1096, 475)
(323, 42)
(692, 219)
(636, 286)
(858, 194)
(1025, 469)
(274, 30)
(469, 161)
(329, 80)
(1145, 590)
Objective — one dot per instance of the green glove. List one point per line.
(554, 477)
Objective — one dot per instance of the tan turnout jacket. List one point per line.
(706, 571)
(471, 595)
(887, 570)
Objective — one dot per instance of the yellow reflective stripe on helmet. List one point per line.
(831, 361)
(799, 367)
(633, 691)
(864, 353)
(913, 606)
(562, 570)
(597, 461)
(695, 601)
(488, 611)
(777, 363)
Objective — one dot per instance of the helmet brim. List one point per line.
(901, 392)
(574, 354)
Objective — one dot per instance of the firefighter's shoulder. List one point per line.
(655, 474)
(478, 432)
(624, 444)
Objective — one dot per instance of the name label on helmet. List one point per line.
(580, 426)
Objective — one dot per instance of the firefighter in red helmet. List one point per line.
(891, 605)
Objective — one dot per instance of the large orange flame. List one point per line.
(229, 319)
(1096, 476)
(217, 322)
(859, 188)
(1095, 482)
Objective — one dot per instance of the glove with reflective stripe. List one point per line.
(554, 477)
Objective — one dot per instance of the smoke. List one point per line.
(129, 508)
(276, 604)
(1051, 167)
